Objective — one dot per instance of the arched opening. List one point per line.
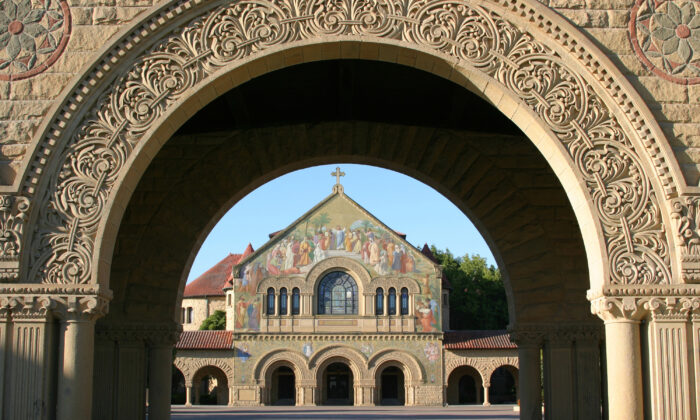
(210, 386)
(338, 384)
(458, 145)
(504, 385)
(283, 389)
(464, 386)
(178, 389)
(391, 386)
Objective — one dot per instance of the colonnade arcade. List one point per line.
(530, 130)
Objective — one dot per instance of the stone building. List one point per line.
(567, 130)
(335, 309)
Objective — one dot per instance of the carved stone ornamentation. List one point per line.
(475, 33)
(686, 213)
(13, 215)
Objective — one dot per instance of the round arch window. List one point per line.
(337, 294)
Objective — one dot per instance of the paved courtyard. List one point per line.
(454, 412)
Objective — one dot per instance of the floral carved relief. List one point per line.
(33, 34)
(96, 154)
(666, 37)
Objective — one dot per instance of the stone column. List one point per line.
(696, 351)
(623, 353)
(670, 358)
(530, 373)
(559, 375)
(160, 362)
(231, 393)
(188, 394)
(5, 325)
(76, 364)
(486, 394)
(30, 370)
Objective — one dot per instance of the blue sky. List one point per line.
(401, 202)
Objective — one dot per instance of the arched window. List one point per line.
(392, 301)
(379, 304)
(295, 301)
(270, 301)
(283, 301)
(404, 301)
(337, 294)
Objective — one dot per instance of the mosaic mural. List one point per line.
(336, 228)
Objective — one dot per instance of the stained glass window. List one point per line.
(404, 301)
(270, 301)
(392, 301)
(337, 294)
(283, 301)
(295, 301)
(379, 305)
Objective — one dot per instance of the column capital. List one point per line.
(672, 308)
(527, 336)
(619, 308)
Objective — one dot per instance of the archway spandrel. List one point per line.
(74, 201)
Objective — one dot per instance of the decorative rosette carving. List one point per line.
(33, 35)
(627, 207)
(665, 35)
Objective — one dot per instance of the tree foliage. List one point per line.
(215, 321)
(478, 297)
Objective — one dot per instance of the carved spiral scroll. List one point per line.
(97, 153)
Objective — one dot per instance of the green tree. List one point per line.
(478, 297)
(215, 321)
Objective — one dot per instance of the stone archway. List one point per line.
(527, 62)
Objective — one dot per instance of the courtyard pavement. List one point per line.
(180, 412)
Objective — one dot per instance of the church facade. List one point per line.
(336, 309)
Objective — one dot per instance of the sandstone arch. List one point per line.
(640, 255)
(411, 368)
(281, 357)
(612, 160)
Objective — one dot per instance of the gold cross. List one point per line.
(337, 174)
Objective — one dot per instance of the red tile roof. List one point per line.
(205, 340)
(477, 340)
(212, 282)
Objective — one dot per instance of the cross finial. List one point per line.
(337, 174)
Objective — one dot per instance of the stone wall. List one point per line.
(94, 24)
(202, 307)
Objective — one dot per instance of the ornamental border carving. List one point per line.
(71, 200)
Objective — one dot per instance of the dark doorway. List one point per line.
(467, 390)
(392, 387)
(283, 389)
(338, 378)
(503, 390)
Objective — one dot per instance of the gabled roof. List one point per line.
(212, 282)
(205, 340)
(277, 237)
(477, 340)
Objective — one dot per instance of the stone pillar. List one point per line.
(75, 372)
(30, 343)
(231, 393)
(670, 358)
(530, 373)
(623, 353)
(188, 394)
(486, 394)
(5, 338)
(160, 362)
(696, 352)
(559, 375)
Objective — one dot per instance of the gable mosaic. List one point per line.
(336, 228)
